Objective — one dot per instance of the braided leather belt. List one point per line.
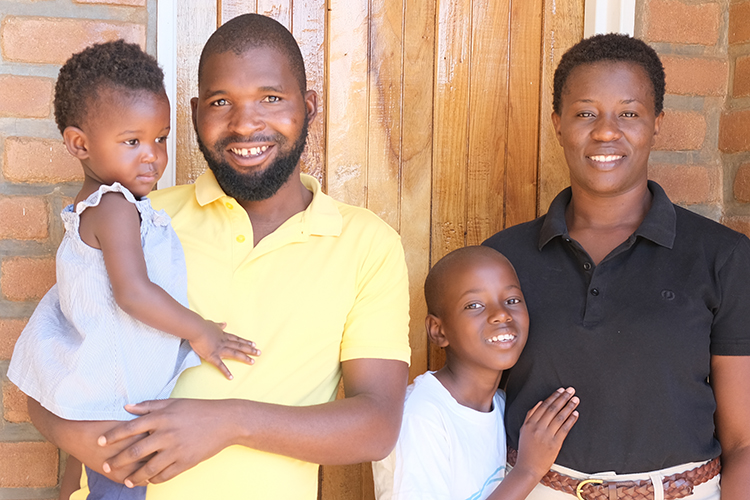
(675, 486)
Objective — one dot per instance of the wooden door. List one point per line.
(435, 115)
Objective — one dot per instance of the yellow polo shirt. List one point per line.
(327, 286)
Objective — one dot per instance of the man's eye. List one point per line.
(629, 114)
(219, 102)
(272, 98)
(132, 142)
(585, 114)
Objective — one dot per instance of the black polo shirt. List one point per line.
(634, 335)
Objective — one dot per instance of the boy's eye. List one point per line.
(473, 305)
(272, 98)
(514, 300)
(161, 139)
(219, 102)
(132, 142)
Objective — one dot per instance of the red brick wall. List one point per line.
(37, 178)
(702, 157)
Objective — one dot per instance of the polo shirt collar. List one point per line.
(321, 217)
(659, 225)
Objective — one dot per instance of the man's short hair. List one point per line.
(112, 65)
(615, 48)
(250, 31)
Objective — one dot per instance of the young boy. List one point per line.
(452, 440)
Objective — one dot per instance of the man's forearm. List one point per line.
(182, 432)
(78, 438)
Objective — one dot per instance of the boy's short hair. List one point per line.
(110, 65)
(612, 47)
(435, 283)
(250, 31)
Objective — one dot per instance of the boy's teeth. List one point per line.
(249, 151)
(507, 337)
(607, 158)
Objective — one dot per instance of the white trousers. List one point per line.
(706, 491)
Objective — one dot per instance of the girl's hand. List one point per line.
(214, 344)
(543, 431)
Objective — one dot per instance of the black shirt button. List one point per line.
(587, 266)
(594, 292)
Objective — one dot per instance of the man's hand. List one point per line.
(170, 447)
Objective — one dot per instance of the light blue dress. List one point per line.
(81, 356)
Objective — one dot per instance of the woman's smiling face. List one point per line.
(607, 126)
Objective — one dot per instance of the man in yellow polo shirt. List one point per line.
(320, 287)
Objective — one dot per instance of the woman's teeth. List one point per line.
(249, 151)
(607, 158)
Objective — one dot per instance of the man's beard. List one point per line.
(258, 185)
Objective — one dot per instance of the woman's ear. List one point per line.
(434, 327)
(76, 142)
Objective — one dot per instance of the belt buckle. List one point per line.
(580, 486)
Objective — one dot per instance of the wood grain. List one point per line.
(488, 119)
(523, 116)
(450, 134)
(309, 29)
(563, 28)
(348, 101)
(385, 110)
(199, 20)
(416, 166)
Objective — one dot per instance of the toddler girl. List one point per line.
(121, 279)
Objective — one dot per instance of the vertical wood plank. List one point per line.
(487, 119)
(308, 25)
(523, 116)
(563, 28)
(348, 104)
(416, 166)
(229, 9)
(198, 19)
(384, 129)
(281, 10)
(450, 133)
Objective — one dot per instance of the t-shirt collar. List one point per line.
(659, 225)
(321, 217)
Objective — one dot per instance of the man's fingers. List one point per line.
(146, 474)
(131, 428)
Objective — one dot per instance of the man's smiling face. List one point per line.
(251, 119)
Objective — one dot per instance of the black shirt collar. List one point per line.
(659, 225)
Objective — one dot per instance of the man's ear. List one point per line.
(434, 327)
(193, 112)
(76, 142)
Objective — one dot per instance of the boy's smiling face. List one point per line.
(482, 319)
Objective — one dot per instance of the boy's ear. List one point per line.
(434, 328)
(75, 140)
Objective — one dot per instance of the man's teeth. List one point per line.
(249, 151)
(506, 337)
(607, 158)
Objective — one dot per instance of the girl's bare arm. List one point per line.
(114, 227)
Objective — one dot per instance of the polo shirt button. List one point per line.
(229, 206)
(594, 292)
(587, 266)
(240, 239)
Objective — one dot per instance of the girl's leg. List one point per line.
(103, 488)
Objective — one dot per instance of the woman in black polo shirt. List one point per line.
(633, 301)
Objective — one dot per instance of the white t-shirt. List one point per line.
(445, 450)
